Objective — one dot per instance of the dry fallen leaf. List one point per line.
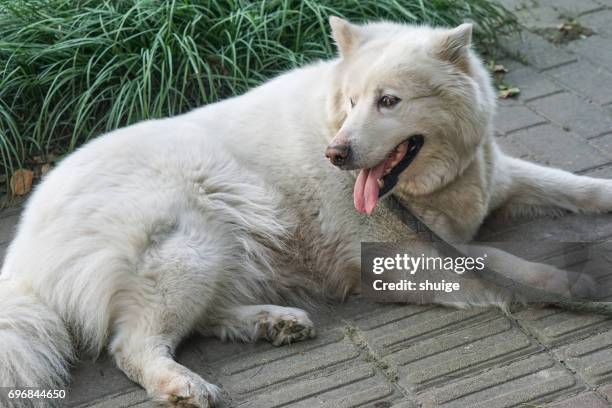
(21, 182)
(499, 69)
(508, 91)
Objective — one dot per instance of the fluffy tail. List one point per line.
(35, 347)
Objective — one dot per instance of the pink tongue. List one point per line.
(365, 195)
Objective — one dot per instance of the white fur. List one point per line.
(200, 221)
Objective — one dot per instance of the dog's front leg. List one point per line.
(536, 189)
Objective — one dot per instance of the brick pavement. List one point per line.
(388, 356)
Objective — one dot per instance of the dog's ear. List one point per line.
(454, 45)
(345, 35)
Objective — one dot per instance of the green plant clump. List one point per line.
(71, 70)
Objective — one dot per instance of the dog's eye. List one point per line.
(388, 101)
(352, 102)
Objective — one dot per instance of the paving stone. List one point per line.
(403, 404)
(571, 8)
(511, 118)
(375, 315)
(3, 249)
(14, 209)
(551, 145)
(604, 142)
(536, 50)
(584, 400)
(399, 334)
(459, 353)
(531, 83)
(344, 388)
(249, 356)
(136, 398)
(606, 391)
(560, 326)
(8, 227)
(568, 228)
(96, 381)
(521, 383)
(575, 113)
(599, 22)
(512, 147)
(539, 17)
(595, 48)
(597, 85)
(257, 371)
(533, 13)
(600, 172)
(514, 5)
(591, 357)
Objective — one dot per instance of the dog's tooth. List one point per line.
(381, 183)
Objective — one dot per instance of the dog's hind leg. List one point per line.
(175, 285)
(277, 324)
(536, 190)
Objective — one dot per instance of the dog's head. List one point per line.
(410, 107)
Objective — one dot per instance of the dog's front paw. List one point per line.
(187, 390)
(287, 325)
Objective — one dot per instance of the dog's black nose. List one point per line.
(337, 154)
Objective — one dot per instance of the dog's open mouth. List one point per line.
(377, 181)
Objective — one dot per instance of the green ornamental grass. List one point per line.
(71, 70)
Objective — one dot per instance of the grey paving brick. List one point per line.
(571, 8)
(539, 17)
(344, 388)
(606, 391)
(401, 333)
(526, 382)
(599, 22)
(594, 48)
(137, 398)
(239, 377)
(515, 5)
(603, 142)
(551, 145)
(567, 109)
(510, 118)
(584, 228)
(7, 228)
(537, 14)
(404, 404)
(96, 381)
(3, 249)
(536, 50)
(596, 85)
(584, 400)
(512, 147)
(591, 357)
(560, 326)
(459, 353)
(531, 83)
(601, 172)
(242, 357)
(377, 315)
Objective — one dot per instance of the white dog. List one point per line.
(204, 221)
